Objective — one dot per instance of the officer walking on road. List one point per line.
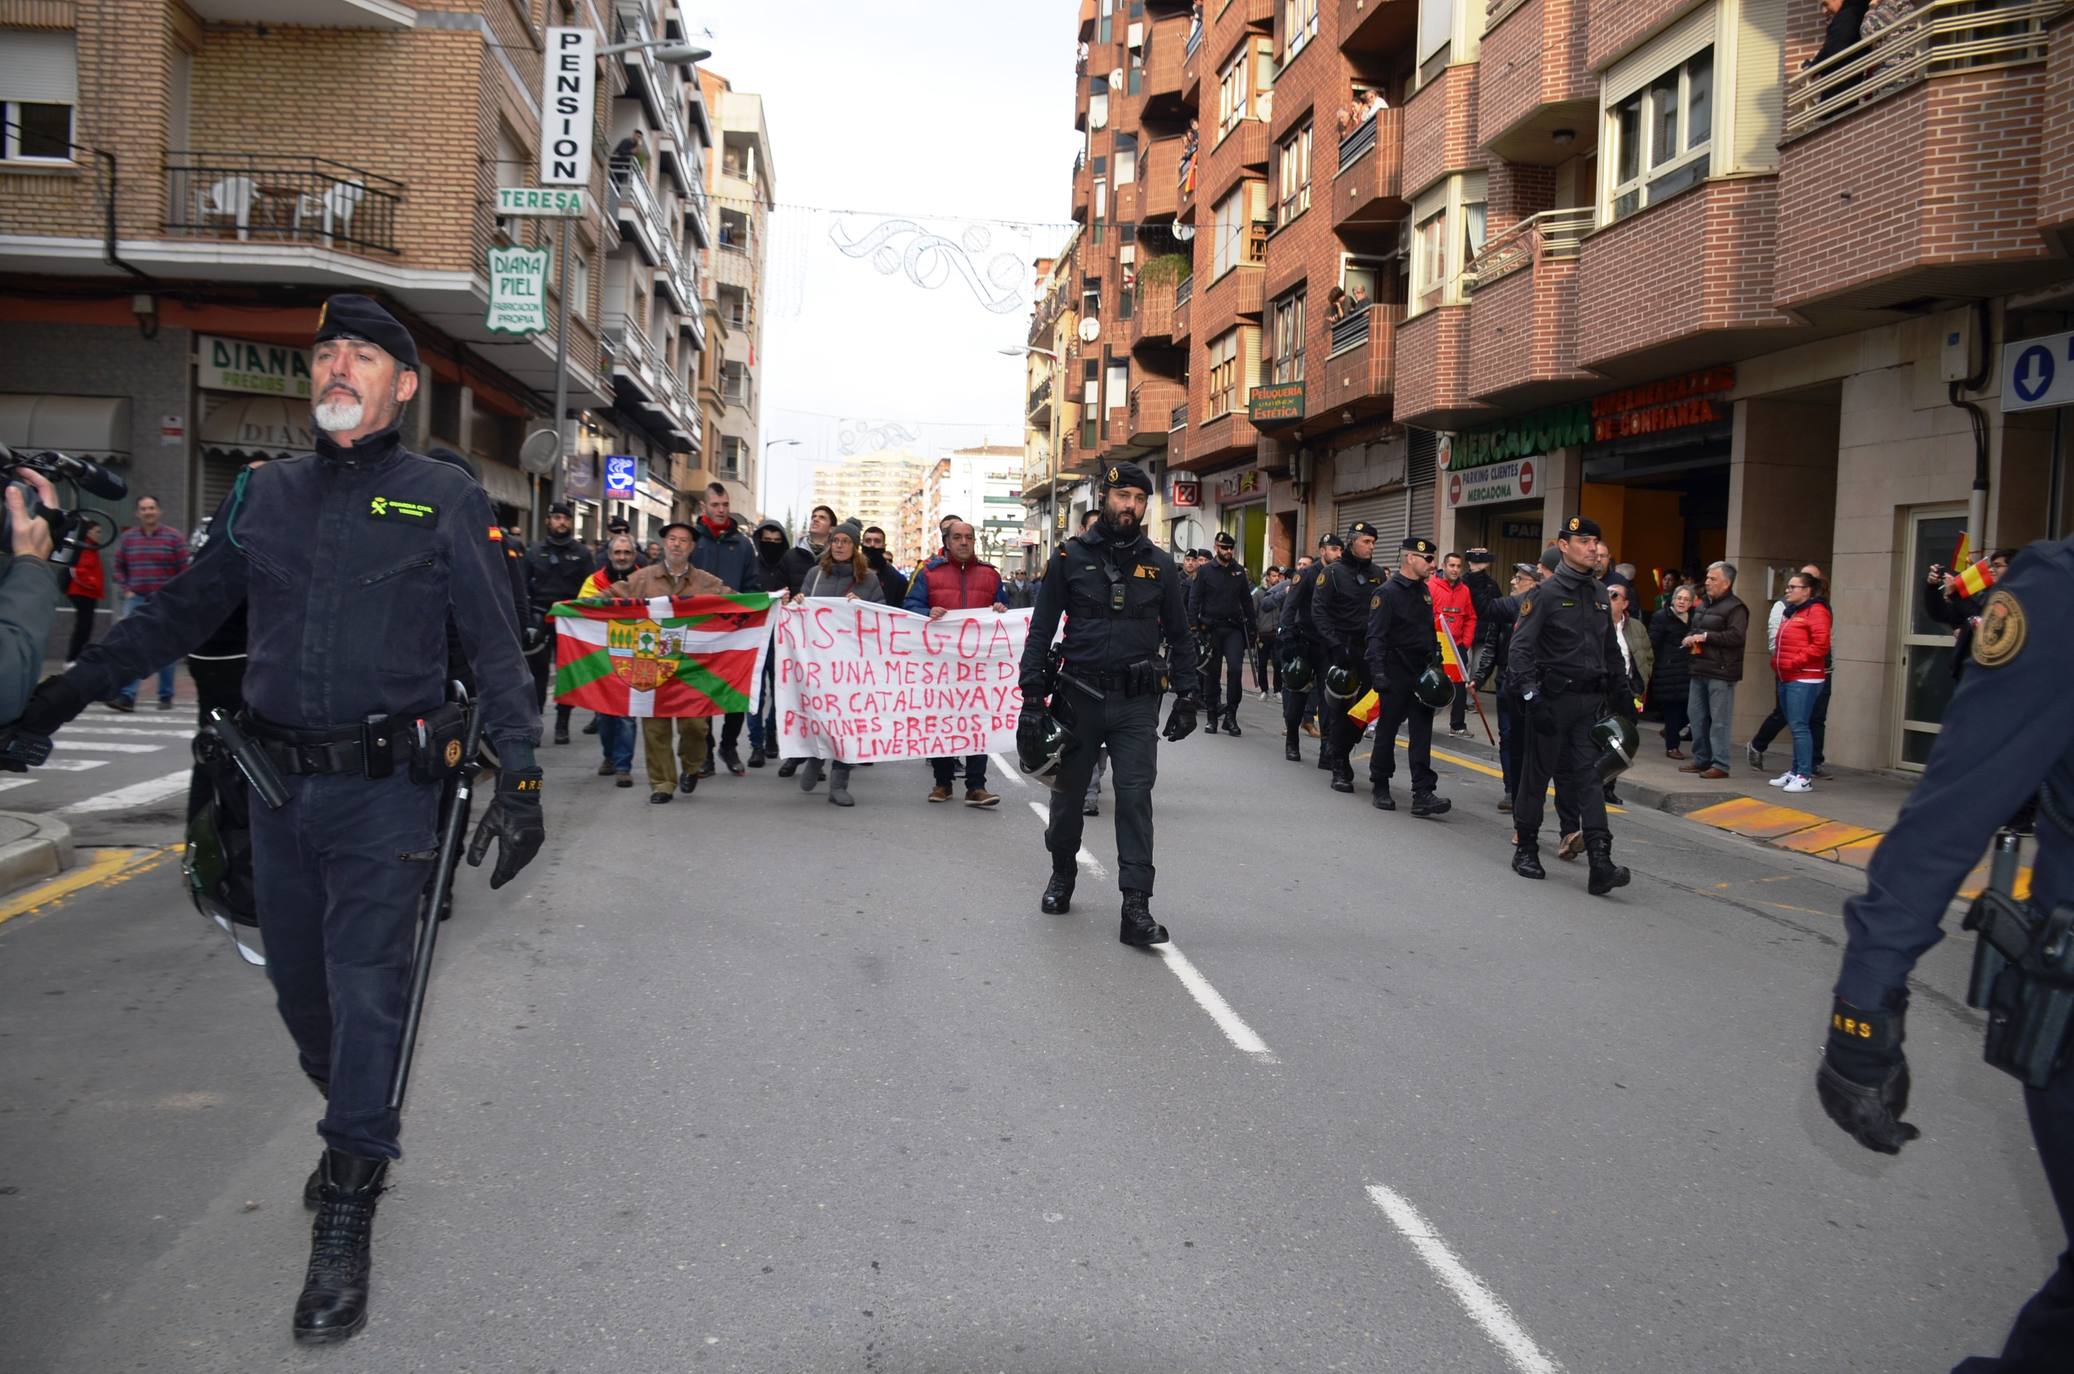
(555, 570)
(1121, 596)
(1339, 617)
(350, 563)
(1400, 651)
(1220, 608)
(1298, 639)
(1566, 668)
(2007, 734)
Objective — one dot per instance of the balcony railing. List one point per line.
(1040, 397)
(661, 88)
(1184, 290)
(1351, 332)
(629, 344)
(291, 199)
(1179, 419)
(1359, 141)
(1195, 38)
(1937, 38)
(1256, 240)
(1550, 234)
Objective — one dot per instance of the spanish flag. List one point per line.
(1963, 552)
(1976, 580)
(1367, 709)
(1450, 660)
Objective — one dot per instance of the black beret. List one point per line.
(562, 508)
(1359, 528)
(1421, 546)
(1331, 541)
(1128, 475)
(352, 316)
(1579, 524)
(1223, 540)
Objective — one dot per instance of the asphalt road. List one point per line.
(748, 1082)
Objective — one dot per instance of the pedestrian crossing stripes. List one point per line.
(69, 745)
(136, 794)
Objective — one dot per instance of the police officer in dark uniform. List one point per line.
(555, 571)
(1296, 635)
(2007, 734)
(349, 563)
(1401, 645)
(1121, 596)
(1220, 608)
(1339, 617)
(1567, 669)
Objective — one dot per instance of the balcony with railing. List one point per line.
(1038, 408)
(1360, 371)
(1153, 402)
(633, 356)
(1184, 292)
(265, 198)
(1534, 80)
(1955, 97)
(1376, 27)
(1368, 189)
(1216, 442)
(1523, 331)
(1166, 53)
(1159, 179)
(658, 86)
(1152, 319)
(639, 210)
(1431, 366)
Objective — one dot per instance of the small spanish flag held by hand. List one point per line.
(1975, 580)
(1963, 552)
(1368, 708)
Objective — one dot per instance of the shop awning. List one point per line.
(258, 427)
(505, 483)
(95, 427)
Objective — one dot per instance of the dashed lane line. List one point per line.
(1484, 1307)
(1002, 770)
(136, 794)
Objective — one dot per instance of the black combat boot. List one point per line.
(1429, 804)
(1526, 859)
(333, 1304)
(1138, 926)
(1058, 893)
(1381, 799)
(1605, 874)
(1342, 778)
(1210, 721)
(1291, 751)
(1231, 723)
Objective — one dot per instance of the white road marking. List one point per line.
(1002, 770)
(72, 765)
(1212, 1001)
(1086, 856)
(6, 783)
(136, 794)
(1483, 1306)
(98, 746)
(140, 731)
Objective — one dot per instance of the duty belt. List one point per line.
(371, 749)
(1557, 682)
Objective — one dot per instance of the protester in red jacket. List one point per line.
(956, 580)
(84, 592)
(1801, 661)
(1454, 610)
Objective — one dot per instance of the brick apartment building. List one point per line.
(1628, 258)
(744, 187)
(179, 190)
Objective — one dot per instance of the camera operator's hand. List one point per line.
(31, 536)
(26, 742)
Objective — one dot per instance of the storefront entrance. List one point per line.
(1924, 664)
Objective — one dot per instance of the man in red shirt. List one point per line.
(956, 580)
(1455, 612)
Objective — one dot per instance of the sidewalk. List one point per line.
(32, 848)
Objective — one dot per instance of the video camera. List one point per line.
(70, 530)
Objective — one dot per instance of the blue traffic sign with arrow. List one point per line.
(2037, 373)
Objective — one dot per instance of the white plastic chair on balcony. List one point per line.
(229, 199)
(337, 204)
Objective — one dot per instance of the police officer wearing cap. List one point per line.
(1220, 607)
(1339, 616)
(556, 568)
(349, 562)
(1122, 599)
(1401, 646)
(2008, 737)
(1566, 667)
(1297, 636)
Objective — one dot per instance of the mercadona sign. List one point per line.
(1511, 481)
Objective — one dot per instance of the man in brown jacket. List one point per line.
(673, 575)
(1714, 638)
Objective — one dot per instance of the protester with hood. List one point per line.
(720, 548)
(771, 544)
(891, 580)
(555, 570)
(802, 558)
(843, 572)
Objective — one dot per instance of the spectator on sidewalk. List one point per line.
(1454, 612)
(147, 557)
(615, 733)
(1801, 662)
(722, 549)
(674, 575)
(843, 573)
(956, 580)
(84, 590)
(1671, 679)
(1714, 637)
(1776, 721)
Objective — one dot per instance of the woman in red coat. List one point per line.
(1801, 662)
(84, 592)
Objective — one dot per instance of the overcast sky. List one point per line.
(935, 110)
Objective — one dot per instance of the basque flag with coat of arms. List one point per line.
(669, 656)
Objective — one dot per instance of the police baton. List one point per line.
(453, 825)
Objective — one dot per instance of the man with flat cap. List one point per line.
(1339, 616)
(556, 568)
(1400, 645)
(350, 562)
(1220, 607)
(1565, 665)
(1121, 596)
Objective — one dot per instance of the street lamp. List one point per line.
(1051, 489)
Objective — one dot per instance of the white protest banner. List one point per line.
(860, 682)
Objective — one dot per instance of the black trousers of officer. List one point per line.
(542, 662)
(1402, 709)
(1129, 727)
(1227, 659)
(1342, 732)
(340, 872)
(1567, 756)
(2044, 1329)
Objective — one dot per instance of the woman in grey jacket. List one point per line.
(842, 574)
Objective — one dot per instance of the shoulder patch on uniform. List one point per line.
(1375, 603)
(2000, 635)
(1526, 608)
(496, 534)
(1148, 570)
(1320, 580)
(414, 512)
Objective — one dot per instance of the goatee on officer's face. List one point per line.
(1123, 510)
(338, 411)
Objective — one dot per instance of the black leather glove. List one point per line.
(1181, 719)
(26, 742)
(1033, 690)
(1863, 1081)
(532, 639)
(1541, 714)
(514, 821)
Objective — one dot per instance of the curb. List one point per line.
(44, 852)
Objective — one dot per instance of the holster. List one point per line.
(437, 743)
(2023, 977)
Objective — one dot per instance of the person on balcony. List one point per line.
(1336, 307)
(1846, 25)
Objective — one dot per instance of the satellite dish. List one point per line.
(1116, 80)
(1090, 329)
(1182, 232)
(538, 454)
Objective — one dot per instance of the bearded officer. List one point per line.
(350, 563)
(1400, 647)
(1566, 667)
(1339, 617)
(2007, 734)
(1122, 598)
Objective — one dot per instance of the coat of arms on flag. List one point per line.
(672, 656)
